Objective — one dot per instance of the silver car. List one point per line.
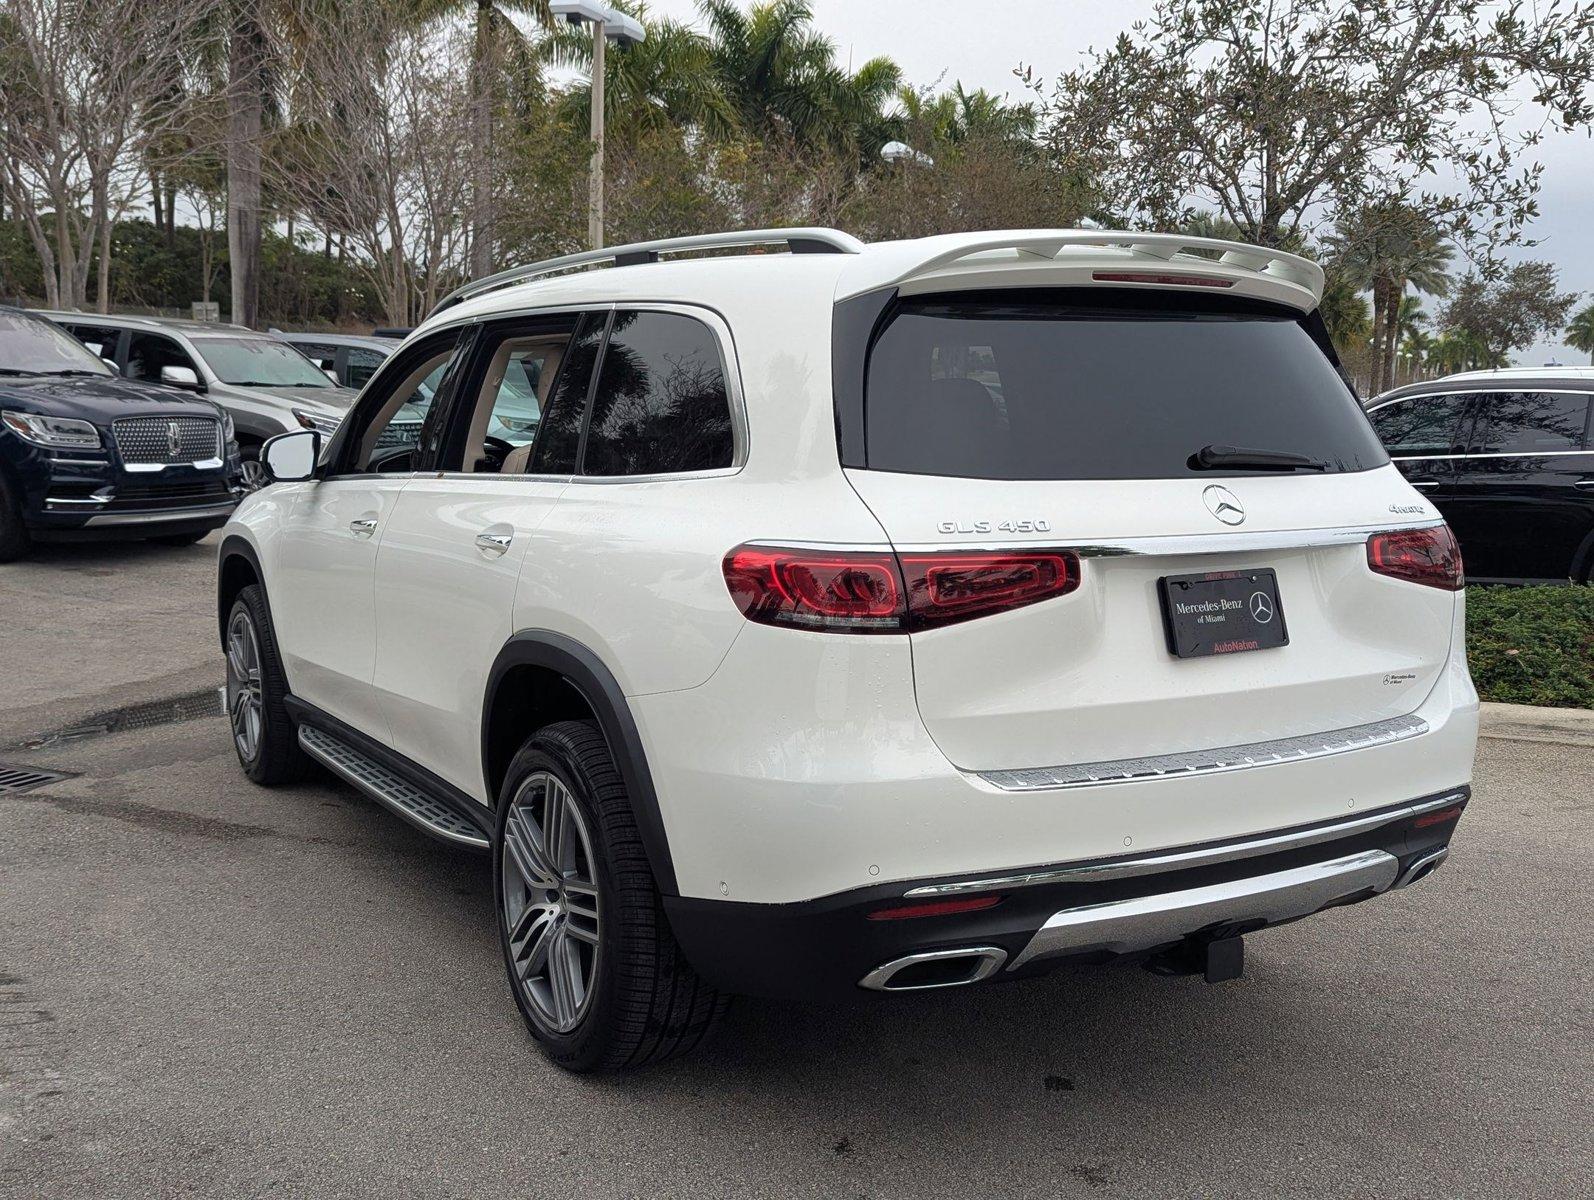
(266, 385)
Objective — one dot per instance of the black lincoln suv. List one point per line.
(86, 454)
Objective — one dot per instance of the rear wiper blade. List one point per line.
(1216, 457)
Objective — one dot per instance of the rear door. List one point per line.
(1425, 437)
(1516, 501)
(1074, 419)
(459, 537)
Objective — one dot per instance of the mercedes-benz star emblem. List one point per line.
(174, 438)
(1261, 608)
(1224, 504)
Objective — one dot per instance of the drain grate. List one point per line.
(189, 707)
(25, 779)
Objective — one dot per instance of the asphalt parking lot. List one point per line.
(207, 988)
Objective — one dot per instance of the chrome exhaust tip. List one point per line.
(1422, 866)
(935, 969)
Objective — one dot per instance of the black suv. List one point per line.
(1508, 459)
(87, 454)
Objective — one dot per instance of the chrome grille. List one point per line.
(399, 433)
(168, 439)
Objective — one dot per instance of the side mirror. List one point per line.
(183, 377)
(291, 457)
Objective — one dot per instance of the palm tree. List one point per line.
(1580, 331)
(665, 81)
(780, 76)
(1386, 247)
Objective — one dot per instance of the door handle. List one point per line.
(494, 543)
(1585, 484)
(363, 528)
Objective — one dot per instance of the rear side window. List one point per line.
(661, 406)
(1423, 426)
(1531, 423)
(1093, 386)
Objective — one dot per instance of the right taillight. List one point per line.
(876, 591)
(1426, 556)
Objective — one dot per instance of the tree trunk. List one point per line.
(1392, 350)
(481, 233)
(155, 198)
(245, 109)
(104, 281)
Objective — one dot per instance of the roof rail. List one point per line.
(802, 240)
(1165, 247)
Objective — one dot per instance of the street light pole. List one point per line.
(607, 23)
(595, 183)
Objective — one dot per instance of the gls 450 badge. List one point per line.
(1037, 525)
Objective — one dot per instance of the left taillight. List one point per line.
(1426, 556)
(871, 591)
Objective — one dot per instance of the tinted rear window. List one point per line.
(1101, 389)
(1531, 423)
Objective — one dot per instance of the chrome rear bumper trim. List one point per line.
(1201, 762)
(1146, 922)
(1201, 856)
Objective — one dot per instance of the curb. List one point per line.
(1531, 723)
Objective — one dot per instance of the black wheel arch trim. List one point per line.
(585, 671)
(234, 546)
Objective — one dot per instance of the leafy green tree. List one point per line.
(1268, 110)
(1498, 316)
(1580, 331)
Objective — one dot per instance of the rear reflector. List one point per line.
(1437, 818)
(1426, 556)
(874, 591)
(934, 908)
(1166, 278)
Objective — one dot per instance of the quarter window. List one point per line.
(1423, 426)
(1531, 423)
(661, 406)
(362, 365)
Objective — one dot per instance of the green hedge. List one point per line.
(1532, 645)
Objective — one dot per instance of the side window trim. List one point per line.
(592, 394)
(471, 371)
(396, 368)
(731, 372)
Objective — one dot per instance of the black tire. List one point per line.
(180, 539)
(14, 540)
(276, 757)
(646, 1003)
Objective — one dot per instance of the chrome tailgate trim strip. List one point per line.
(1200, 762)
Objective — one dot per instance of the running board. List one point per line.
(390, 789)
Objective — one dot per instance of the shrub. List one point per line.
(1532, 645)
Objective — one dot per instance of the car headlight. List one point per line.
(325, 426)
(58, 433)
(229, 434)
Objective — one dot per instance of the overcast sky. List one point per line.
(980, 42)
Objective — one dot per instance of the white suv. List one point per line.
(865, 618)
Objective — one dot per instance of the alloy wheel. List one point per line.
(245, 707)
(550, 902)
(254, 474)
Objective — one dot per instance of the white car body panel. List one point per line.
(791, 765)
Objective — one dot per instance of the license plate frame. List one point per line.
(1222, 612)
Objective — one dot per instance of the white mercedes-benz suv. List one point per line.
(864, 618)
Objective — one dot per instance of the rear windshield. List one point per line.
(1102, 388)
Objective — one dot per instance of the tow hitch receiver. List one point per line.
(1225, 959)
